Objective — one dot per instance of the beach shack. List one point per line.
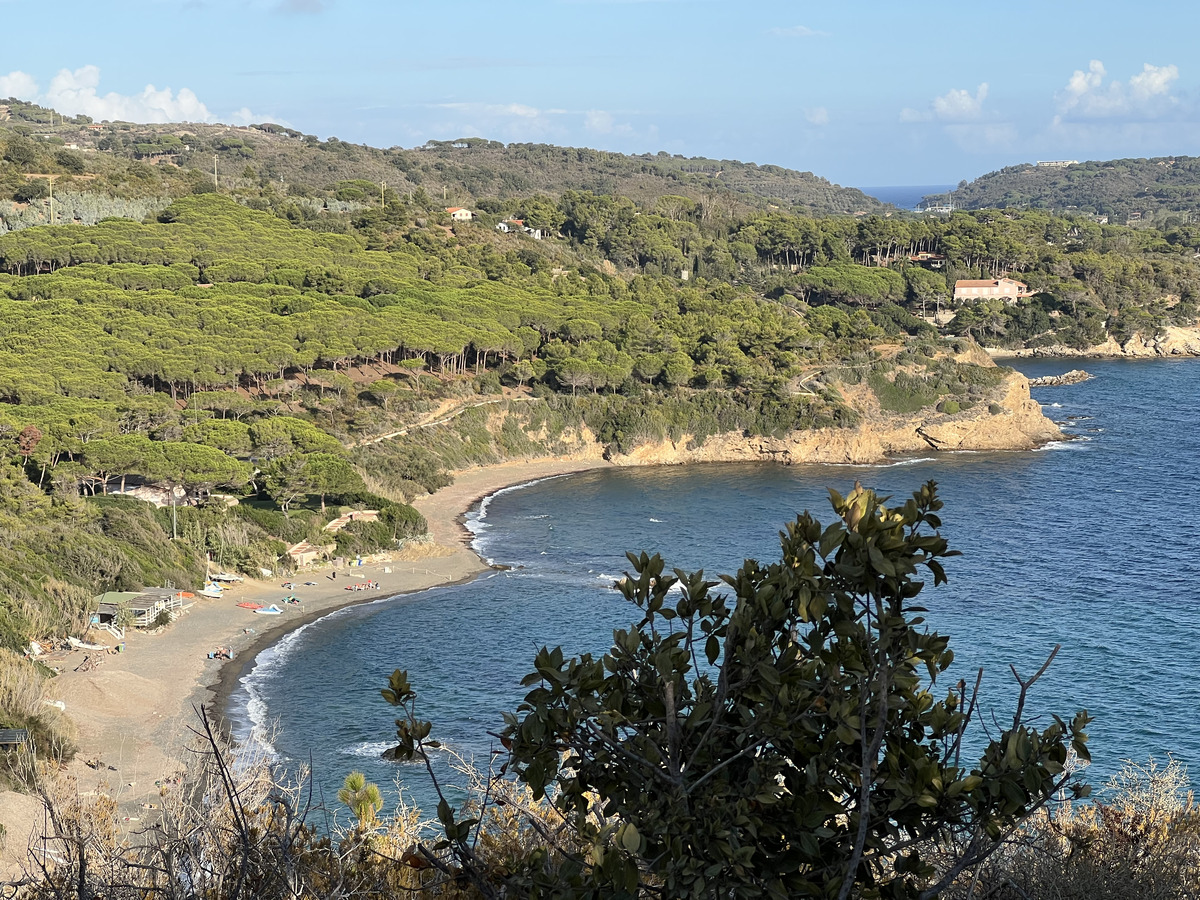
(305, 554)
(13, 738)
(141, 607)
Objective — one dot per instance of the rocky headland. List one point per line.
(1012, 421)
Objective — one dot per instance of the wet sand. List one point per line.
(136, 711)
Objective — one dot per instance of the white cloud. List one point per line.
(1082, 83)
(797, 31)
(77, 92)
(960, 105)
(502, 110)
(598, 121)
(1146, 95)
(957, 105)
(1153, 81)
(18, 85)
(817, 115)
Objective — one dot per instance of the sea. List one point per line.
(906, 196)
(1091, 543)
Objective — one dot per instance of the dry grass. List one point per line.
(1141, 842)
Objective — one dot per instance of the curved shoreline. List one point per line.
(449, 514)
(135, 711)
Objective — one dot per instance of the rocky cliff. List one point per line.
(1170, 341)
(1012, 421)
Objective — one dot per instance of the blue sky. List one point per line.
(863, 93)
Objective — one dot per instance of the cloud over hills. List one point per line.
(77, 92)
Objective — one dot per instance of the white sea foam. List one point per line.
(255, 732)
(370, 749)
(895, 463)
(480, 514)
(657, 521)
(1073, 444)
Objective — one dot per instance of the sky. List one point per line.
(862, 93)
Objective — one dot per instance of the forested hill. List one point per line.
(128, 160)
(1163, 191)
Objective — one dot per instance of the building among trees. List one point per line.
(1007, 289)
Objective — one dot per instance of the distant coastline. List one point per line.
(905, 196)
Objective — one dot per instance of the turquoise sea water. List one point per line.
(1094, 544)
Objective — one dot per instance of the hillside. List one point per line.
(124, 160)
(1163, 191)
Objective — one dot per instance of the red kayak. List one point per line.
(250, 605)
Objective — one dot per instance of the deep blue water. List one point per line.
(1092, 544)
(906, 196)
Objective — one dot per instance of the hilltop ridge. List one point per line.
(177, 158)
(1162, 191)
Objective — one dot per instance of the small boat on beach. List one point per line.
(248, 605)
(212, 590)
(227, 577)
(271, 610)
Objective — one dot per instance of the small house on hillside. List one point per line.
(1006, 289)
(459, 214)
(929, 260)
(518, 225)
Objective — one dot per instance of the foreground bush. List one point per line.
(779, 741)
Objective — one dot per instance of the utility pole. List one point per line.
(216, 186)
(51, 199)
(382, 185)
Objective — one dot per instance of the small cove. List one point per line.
(1090, 543)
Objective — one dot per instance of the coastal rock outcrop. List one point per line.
(1075, 376)
(1173, 340)
(1012, 421)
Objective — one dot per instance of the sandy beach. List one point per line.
(135, 711)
